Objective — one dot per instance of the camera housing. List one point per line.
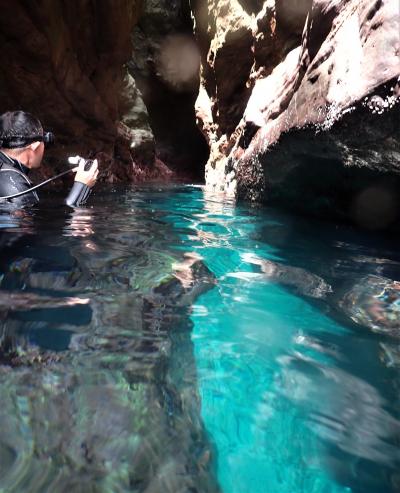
(88, 164)
(76, 159)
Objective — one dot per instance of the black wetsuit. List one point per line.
(14, 179)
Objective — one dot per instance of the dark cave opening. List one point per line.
(179, 142)
(165, 66)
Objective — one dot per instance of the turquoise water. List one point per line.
(293, 400)
(275, 368)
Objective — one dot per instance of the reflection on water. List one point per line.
(163, 341)
(97, 379)
(297, 374)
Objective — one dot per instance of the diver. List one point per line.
(22, 144)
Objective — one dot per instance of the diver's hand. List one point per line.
(88, 177)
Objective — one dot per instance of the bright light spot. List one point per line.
(178, 62)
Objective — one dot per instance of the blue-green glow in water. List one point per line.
(282, 375)
(295, 397)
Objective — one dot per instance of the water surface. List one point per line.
(161, 340)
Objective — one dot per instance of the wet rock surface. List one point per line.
(315, 125)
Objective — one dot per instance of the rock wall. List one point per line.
(299, 102)
(165, 65)
(66, 62)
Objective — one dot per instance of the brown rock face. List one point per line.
(65, 62)
(316, 127)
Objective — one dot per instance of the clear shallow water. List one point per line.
(280, 376)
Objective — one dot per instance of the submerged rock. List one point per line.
(374, 302)
(390, 355)
(104, 399)
(300, 280)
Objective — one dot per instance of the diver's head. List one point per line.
(22, 137)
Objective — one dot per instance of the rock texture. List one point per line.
(374, 302)
(165, 65)
(66, 63)
(300, 104)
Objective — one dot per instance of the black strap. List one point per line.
(17, 141)
(32, 188)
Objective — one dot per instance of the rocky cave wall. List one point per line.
(72, 65)
(299, 102)
(165, 66)
(64, 62)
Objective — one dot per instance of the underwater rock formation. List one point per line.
(299, 102)
(97, 377)
(374, 302)
(297, 279)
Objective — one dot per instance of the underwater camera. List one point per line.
(75, 160)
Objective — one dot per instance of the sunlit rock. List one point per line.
(313, 120)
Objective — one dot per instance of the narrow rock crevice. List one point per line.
(165, 65)
(324, 88)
